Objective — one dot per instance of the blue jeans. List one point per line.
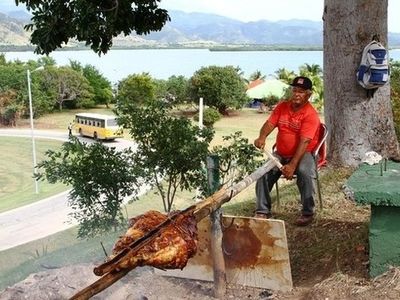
(305, 173)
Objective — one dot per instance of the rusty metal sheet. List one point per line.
(255, 252)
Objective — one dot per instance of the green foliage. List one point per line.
(96, 23)
(13, 77)
(100, 178)
(210, 116)
(314, 72)
(136, 89)
(257, 75)
(101, 86)
(271, 100)
(42, 101)
(9, 109)
(46, 61)
(174, 90)
(178, 89)
(14, 93)
(221, 87)
(3, 59)
(51, 87)
(395, 94)
(66, 87)
(161, 89)
(168, 147)
(10, 114)
(238, 159)
(285, 75)
(310, 70)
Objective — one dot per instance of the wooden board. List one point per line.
(255, 251)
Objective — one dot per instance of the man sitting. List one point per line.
(298, 131)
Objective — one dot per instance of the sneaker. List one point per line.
(260, 215)
(304, 220)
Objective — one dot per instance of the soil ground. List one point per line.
(143, 284)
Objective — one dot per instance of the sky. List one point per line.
(272, 10)
(254, 10)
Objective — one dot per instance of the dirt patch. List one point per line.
(143, 284)
(344, 287)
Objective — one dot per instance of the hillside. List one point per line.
(12, 31)
(197, 30)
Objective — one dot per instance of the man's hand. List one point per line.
(288, 171)
(259, 143)
(266, 129)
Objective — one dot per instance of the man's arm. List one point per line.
(266, 129)
(288, 169)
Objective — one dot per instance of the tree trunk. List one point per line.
(357, 124)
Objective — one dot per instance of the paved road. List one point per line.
(61, 136)
(34, 221)
(45, 217)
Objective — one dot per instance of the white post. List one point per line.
(32, 134)
(198, 194)
(201, 112)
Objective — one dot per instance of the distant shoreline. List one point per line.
(10, 48)
(230, 48)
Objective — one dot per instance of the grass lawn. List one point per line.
(17, 186)
(59, 120)
(248, 120)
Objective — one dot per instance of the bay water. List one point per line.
(163, 63)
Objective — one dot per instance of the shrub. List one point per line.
(271, 100)
(210, 116)
(396, 113)
(395, 94)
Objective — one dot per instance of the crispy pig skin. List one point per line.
(171, 249)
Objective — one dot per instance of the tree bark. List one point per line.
(357, 123)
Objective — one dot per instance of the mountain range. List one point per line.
(201, 29)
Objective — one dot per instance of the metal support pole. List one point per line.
(28, 74)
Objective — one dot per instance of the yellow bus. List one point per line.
(97, 126)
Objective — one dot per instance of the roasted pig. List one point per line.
(170, 249)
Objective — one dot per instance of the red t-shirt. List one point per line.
(293, 125)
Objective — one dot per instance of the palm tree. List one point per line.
(313, 69)
(256, 75)
(285, 75)
(314, 72)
